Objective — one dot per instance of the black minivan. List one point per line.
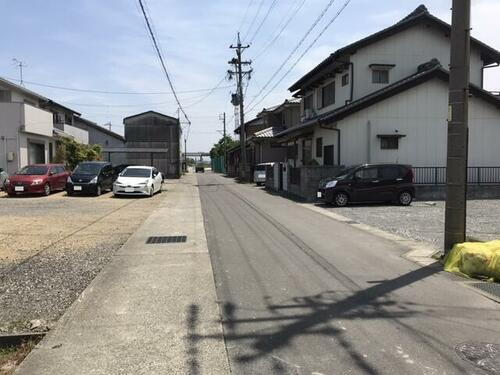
(369, 183)
(91, 177)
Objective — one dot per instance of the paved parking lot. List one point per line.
(52, 247)
(424, 221)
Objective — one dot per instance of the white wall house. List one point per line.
(29, 126)
(385, 99)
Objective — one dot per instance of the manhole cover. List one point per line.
(166, 239)
(491, 288)
(483, 355)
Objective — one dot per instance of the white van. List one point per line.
(259, 173)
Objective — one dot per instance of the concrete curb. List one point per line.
(418, 252)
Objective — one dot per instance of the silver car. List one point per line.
(3, 177)
(259, 173)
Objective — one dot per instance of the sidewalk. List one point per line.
(142, 313)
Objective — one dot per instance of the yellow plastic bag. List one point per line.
(475, 259)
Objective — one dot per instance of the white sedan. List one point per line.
(138, 180)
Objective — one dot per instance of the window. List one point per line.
(291, 151)
(306, 151)
(308, 102)
(328, 155)
(380, 76)
(345, 79)
(5, 96)
(367, 174)
(319, 147)
(328, 95)
(389, 143)
(51, 152)
(389, 172)
(137, 172)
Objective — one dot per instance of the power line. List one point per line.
(160, 57)
(282, 29)
(253, 19)
(303, 53)
(311, 28)
(245, 16)
(112, 92)
(273, 3)
(208, 94)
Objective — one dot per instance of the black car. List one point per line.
(369, 183)
(91, 177)
(117, 169)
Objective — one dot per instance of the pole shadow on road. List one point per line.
(373, 302)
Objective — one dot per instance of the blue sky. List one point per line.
(103, 45)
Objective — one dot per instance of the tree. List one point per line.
(225, 143)
(72, 153)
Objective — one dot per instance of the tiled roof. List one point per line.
(268, 132)
(420, 14)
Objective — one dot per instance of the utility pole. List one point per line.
(185, 154)
(238, 101)
(224, 140)
(20, 65)
(458, 131)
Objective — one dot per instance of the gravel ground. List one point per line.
(52, 247)
(424, 221)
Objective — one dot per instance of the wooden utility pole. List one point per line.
(239, 73)
(456, 162)
(225, 143)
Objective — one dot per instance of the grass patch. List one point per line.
(12, 356)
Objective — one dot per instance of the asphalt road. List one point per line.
(301, 293)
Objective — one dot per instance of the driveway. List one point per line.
(424, 221)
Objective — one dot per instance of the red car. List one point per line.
(37, 179)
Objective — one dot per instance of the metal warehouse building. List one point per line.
(153, 139)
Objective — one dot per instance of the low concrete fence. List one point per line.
(438, 192)
(308, 179)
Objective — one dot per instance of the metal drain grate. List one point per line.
(491, 288)
(166, 239)
(351, 222)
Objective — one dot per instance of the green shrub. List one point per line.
(72, 153)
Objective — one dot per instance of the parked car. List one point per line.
(91, 177)
(259, 173)
(199, 168)
(138, 180)
(369, 183)
(37, 179)
(117, 169)
(3, 178)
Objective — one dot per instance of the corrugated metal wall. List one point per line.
(152, 130)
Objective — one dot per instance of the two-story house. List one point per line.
(29, 126)
(384, 98)
(263, 145)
